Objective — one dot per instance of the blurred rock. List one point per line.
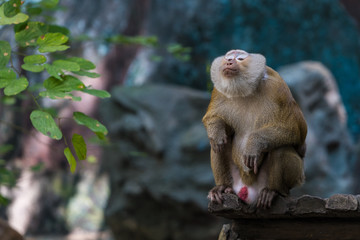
(330, 156)
(342, 202)
(158, 163)
(85, 210)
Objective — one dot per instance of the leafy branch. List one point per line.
(39, 39)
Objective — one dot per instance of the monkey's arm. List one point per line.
(287, 130)
(216, 130)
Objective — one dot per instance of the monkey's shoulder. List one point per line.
(276, 89)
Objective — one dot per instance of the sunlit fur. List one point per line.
(242, 85)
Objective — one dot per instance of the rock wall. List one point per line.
(306, 217)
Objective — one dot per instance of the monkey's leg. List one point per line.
(285, 170)
(220, 164)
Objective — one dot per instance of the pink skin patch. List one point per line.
(243, 193)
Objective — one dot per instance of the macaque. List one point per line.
(256, 131)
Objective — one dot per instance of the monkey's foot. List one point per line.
(215, 194)
(265, 198)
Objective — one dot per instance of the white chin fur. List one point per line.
(243, 85)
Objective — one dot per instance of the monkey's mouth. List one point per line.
(230, 72)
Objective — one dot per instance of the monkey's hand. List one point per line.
(252, 161)
(252, 154)
(218, 143)
(215, 194)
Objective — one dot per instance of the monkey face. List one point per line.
(233, 63)
(238, 73)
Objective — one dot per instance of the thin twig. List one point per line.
(13, 67)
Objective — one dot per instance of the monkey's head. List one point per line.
(238, 73)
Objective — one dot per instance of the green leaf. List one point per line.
(19, 27)
(100, 135)
(93, 124)
(87, 74)
(32, 67)
(59, 29)
(59, 95)
(68, 84)
(4, 201)
(70, 157)
(7, 73)
(151, 41)
(83, 63)
(37, 167)
(52, 42)
(54, 71)
(5, 82)
(6, 148)
(35, 59)
(18, 18)
(179, 52)
(5, 53)
(11, 8)
(16, 86)
(79, 146)
(8, 100)
(66, 65)
(31, 32)
(7, 177)
(6, 76)
(34, 10)
(45, 124)
(97, 93)
(49, 3)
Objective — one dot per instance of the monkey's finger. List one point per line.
(217, 198)
(263, 199)
(272, 194)
(247, 161)
(251, 162)
(255, 165)
(258, 202)
(211, 196)
(229, 190)
(220, 147)
(267, 200)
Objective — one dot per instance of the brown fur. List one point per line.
(262, 122)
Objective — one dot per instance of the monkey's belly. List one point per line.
(248, 194)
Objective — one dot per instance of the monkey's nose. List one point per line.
(229, 63)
